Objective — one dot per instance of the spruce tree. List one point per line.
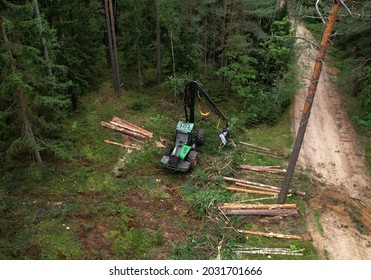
(33, 104)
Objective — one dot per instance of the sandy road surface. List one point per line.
(330, 151)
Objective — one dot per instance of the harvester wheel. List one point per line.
(200, 138)
(192, 158)
(168, 150)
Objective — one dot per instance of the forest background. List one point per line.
(55, 76)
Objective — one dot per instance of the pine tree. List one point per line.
(33, 104)
(80, 31)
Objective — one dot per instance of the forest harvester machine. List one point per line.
(181, 155)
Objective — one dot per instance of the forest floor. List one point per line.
(339, 216)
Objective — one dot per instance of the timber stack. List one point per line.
(128, 130)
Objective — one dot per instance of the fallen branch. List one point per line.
(249, 191)
(271, 234)
(263, 169)
(122, 145)
(262, 212)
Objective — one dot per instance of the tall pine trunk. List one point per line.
(113, 58)
(158, 44)
(223, 38)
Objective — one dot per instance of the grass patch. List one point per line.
(101, 202)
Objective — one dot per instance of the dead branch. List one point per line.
(122, 145)
(319, 13)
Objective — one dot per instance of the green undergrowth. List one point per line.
(104, 202)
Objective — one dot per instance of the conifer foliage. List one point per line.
(32, 99)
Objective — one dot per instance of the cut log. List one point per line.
(258, 147)
(133, 126)
(127, 127)
(261, 212)
(271, 234)
(250, 191)
(263, 169)
(232, 206)
(122, 145)
(123, 130)
(229, 179)
(257, 188)
(269, 251)
(248, 182)
(268, 155)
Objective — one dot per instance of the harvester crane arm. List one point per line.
(193, 88)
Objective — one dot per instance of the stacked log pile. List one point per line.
(128, 130)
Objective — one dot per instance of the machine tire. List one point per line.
(192, 158)
(168, 150)
(200, 138)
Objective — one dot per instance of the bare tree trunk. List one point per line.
(214, 38)
(23, 106)
(158, 43)
(138, 65)
(172, 51)
(114, 46)
(223, 38)
(111, 48)
(205, 49)
(43, 40)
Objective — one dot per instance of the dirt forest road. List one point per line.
(340, 210)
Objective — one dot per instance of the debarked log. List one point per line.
(234, 206)
(250, 191)
(262, 212)
(271, 234)
(249, 183)
(263, 169)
